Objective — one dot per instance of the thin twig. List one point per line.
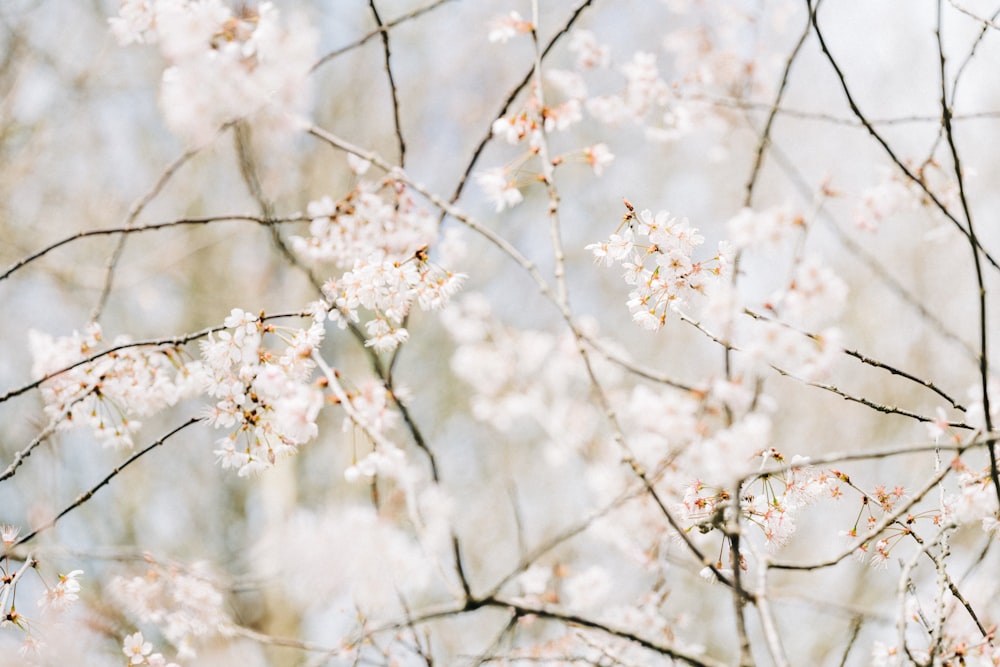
(543, 286)
(765, 134)
(984, 366)
(87, 495)
(387, 56)
(888, 149)
(42, 436)
(143, 228)
(868, 361)
(515, 91)
(133, 213)
(374, 33)
(171, 342)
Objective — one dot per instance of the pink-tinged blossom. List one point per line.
(134, 21)
(710, 66)
(8, 534)
(780, 497)
(598, 156)
(371, 218)
(186, 608)
(811, 358)
(63, 594)
(379, 237)
(588, 589)
(32, 647)
(645, 88)
(569, 84)
(767, 228)
(589, 52)
(617, 248)
(975, 416)
(534, 581)
(388, 288)
(109, 393)
(504, 28)
(499, 188)
(975, 502)
(157, 660)
(519, 377)
(676, 122)
(264, 394)
(657, 253)
(516, 127)
(815, 296)
(883, 201)
(939, 427)
(358, 165)
(644, 91)
(562, 116)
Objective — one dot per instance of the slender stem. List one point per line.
(87, 495)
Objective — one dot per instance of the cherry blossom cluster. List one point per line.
(657, 253)
(975, 500)
(375, 216)
(707, 63)
(875, 505)
(772, 501)
(953, 649)
(264, 395)
(383, 244)
(794, 328)
(880, 202)
(108, 393)
(667, 464)
(56, 598)
(387, 288)
(223, 66)
(526, 124)
(503, 28)
(523, 380)
(705, 441)
(502, 185)
(895, 194)
(185, 606)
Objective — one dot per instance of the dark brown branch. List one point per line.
(133, 213)
(374, 33)
(574, 15)
(888, 149)
(387, 56)
(87, 495)
(20, 264)
(984, 367)
(765, 134)
(874, 363)
(171, 342)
